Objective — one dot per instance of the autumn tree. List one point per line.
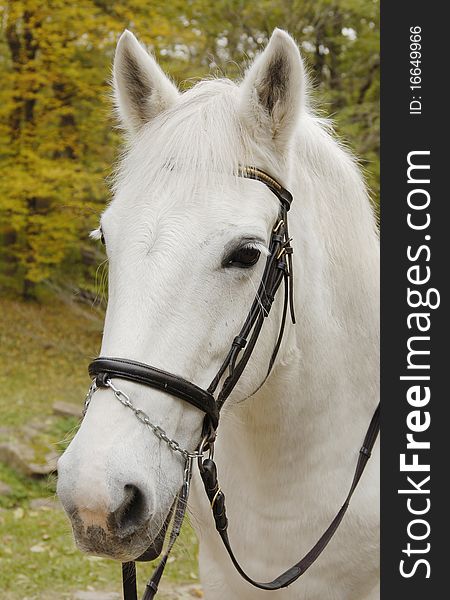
(57, 135)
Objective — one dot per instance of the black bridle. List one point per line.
(278, 269)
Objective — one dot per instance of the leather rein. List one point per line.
(278, 269)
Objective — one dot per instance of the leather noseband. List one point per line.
(174, 385)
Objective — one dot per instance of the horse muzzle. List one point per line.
(123, 537)
(122, 521)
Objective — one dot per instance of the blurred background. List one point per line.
(58, 146)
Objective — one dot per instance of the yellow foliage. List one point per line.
(57, 143)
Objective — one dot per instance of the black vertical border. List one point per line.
(400, 134)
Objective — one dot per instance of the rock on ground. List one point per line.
(21, 458)
(48, 503)
(5, 489)
(66, 409)
(16, 456)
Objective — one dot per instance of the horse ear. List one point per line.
(141, 89)
(273, 90)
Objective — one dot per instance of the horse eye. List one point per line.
(102, 238)
(243, 257)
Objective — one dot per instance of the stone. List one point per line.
(32, 429)
(51, 458)
(20, 455)
(50, 503)
(66, 409)
(5, 489)
(17, 456)
(42, 469)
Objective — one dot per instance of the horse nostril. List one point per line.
(131, 513)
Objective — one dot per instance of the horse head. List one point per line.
(186, 239)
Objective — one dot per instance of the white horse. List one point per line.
(175, 232)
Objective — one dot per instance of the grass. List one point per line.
(44, 350)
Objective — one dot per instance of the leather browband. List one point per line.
(156, 378)
(283, 195)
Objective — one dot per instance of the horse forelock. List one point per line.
(201, 137)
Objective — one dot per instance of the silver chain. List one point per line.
(124, 399)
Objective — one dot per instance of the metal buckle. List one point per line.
(278, 225)
(281, 252)
(207, 444)
(284, 249)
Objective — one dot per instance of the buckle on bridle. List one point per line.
(278, 225)
(285, 249)
(206, 445)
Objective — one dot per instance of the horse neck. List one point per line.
(325, 383)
